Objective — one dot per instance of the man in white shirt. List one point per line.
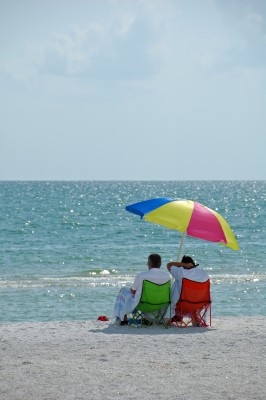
(128, 298)
(187, 268)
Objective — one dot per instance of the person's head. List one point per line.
(154, 261)
(189, 260)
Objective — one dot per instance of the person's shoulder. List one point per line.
(202, 270)
(165, 272)
(158, 271)
(142, 273)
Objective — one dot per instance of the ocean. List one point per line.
(68, 247)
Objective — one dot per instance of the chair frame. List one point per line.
(193, 305)
(147, 305)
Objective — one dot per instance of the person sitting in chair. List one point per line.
(128, 298)
(187, 268)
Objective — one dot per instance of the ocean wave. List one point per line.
(111, 281)
(73, 281)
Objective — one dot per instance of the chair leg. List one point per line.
(136, 318)
(194, 318)
(160, 317)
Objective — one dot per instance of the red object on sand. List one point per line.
(103, 318)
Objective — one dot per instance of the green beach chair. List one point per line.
(155, 299)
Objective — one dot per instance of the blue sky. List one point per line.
(132, 89)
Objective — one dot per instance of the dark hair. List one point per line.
(155, 260)
(188, 259)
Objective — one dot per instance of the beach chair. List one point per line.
(154, 301)
(194, 304)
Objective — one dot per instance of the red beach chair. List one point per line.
(193, 305)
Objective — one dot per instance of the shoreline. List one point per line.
(98, 360)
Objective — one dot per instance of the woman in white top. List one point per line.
(187, 268)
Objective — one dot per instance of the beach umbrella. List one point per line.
(187, 216)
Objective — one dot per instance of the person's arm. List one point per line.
(137, 282)
(178, 264)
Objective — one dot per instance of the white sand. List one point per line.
(96, 360)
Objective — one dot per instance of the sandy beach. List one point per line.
(97, 360)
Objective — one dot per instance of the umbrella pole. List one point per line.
(181, 244)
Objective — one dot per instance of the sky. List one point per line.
(132, 90)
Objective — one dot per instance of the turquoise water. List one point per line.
(67, 247)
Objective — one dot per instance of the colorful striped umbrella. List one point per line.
(187, 216)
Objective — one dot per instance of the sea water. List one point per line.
(68, 247)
